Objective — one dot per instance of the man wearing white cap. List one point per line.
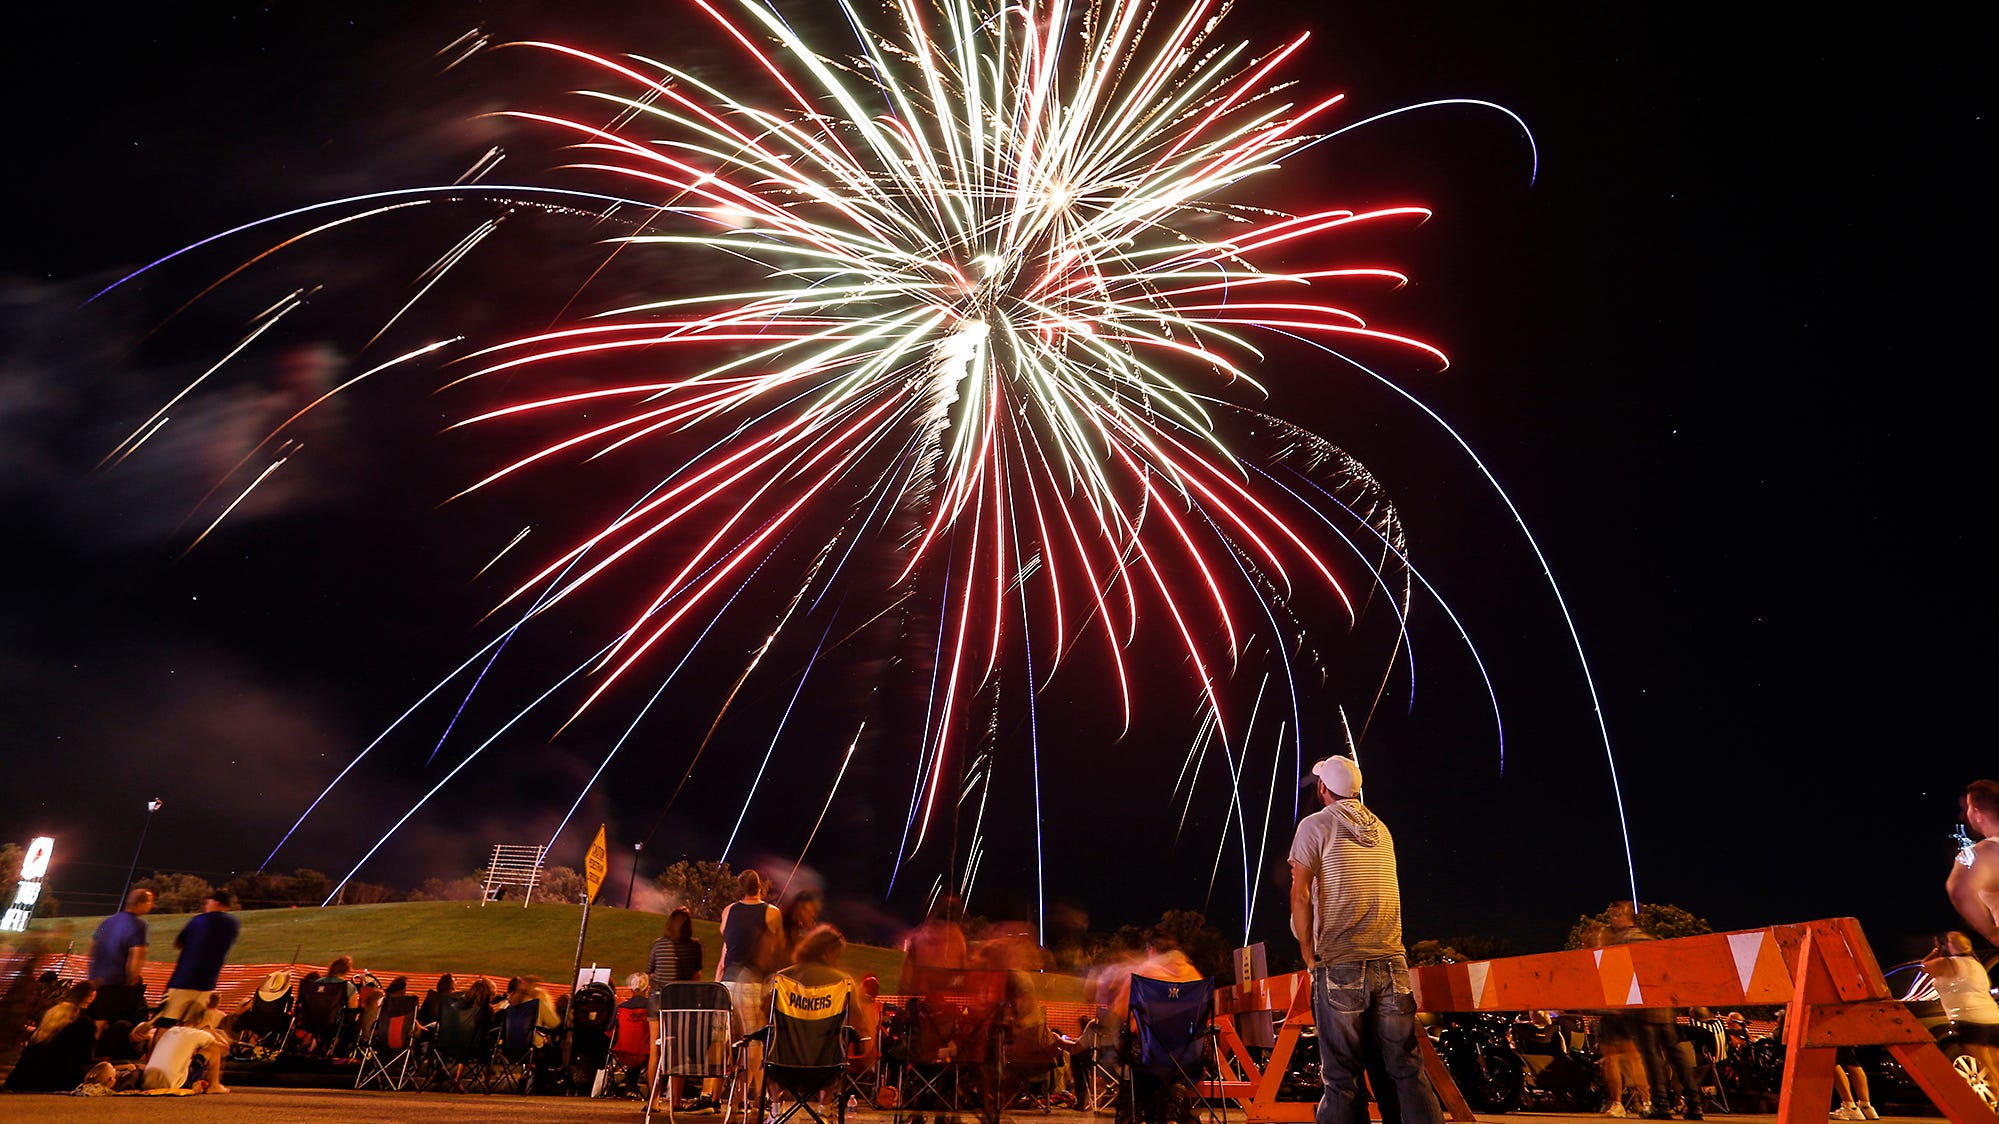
(1346, 911)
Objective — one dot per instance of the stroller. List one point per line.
(592, 1020)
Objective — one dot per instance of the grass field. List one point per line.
(500, 939)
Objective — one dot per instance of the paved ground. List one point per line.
(325, 1106)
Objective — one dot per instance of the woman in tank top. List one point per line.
(1966, 993)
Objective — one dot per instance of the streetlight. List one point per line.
(633, 880)
(152, 806)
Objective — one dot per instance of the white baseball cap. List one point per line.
(1339, 774)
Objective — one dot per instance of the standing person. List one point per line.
(204, 944)
(675, 958)
(118, 962)
(676, 955)
(1346, 911)
(1973, 884)
(1648, 1030)
(1849, 1083)
(1642, 1035)
(752, 934)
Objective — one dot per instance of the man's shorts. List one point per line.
(185, 1005)
(751, 998)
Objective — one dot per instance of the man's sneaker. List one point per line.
(1659, 1113)
(1847, 1112)
(1694, 1114)
(1867, 1110)
(1616, 1109)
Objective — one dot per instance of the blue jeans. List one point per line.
(1351, 999)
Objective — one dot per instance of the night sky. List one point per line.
(1719, 353)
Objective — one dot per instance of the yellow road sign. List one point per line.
(595, 864)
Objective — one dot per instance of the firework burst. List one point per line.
(984, 388)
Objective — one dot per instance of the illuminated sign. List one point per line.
(33, 867)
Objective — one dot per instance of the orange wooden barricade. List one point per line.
(1824, 971)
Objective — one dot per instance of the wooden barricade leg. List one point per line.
(1261, 1106)
(1839, 999)
(1934, 1074)
(1455, 1105)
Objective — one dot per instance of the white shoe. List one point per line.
(1847, 1112)
(1616, 1109)
(1867, 1110)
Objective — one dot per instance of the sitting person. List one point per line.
(528, 989)
(1155, 1098)
(58, 1053)
(434, 1001)
(817, 964)
(176, 1057)
(186, 1057)
(480, 995)
(342, 969)
(371, 1008)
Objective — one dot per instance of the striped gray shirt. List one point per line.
(1356, 905)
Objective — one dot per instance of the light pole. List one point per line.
(633, 880)
(152, 806)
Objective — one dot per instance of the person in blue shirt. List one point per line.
(118, 962)
(204, 944)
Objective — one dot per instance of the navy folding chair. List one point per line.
(1170, 1049)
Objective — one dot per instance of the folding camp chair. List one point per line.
(461, 1050)
(950, 1050)
(1169, 1049)
(631, 1047)
(516, 1053)
(1707, 1048)
(1098, 1076)
(864, 1055)
(805, 1043)
(320, 1014)
(1028, 1052)
(694, 1041)
(387, 1055)
(260, 1032)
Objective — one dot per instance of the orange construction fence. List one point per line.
(1824, 972)
(238, 982)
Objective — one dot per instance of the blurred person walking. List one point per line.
(204, 944)
(118, 963)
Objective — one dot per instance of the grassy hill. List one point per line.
(500, 939)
